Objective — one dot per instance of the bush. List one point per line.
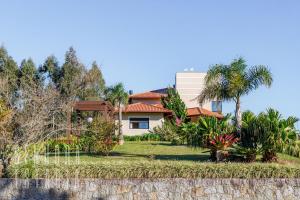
(169, 131)
(220, 144)
(63, 144)
(100, 136)
(276, 133)
(144, 137)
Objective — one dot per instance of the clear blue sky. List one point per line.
(143, 43)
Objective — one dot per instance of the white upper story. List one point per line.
(189, 85)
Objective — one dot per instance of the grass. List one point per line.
(152, 160)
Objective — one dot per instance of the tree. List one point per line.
(32, 122)
(28, 73)
(231, 82)
(172, 101)
(94, 83)
(118, 96)
(72, 72)
(52, 70)
(9, 73)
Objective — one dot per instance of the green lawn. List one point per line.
(153, 160)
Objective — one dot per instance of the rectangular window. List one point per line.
(139, 123)
(216, 106)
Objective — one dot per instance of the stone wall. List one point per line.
(150, 189)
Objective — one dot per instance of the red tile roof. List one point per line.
(92, 106)
(147, 95)
(145, 108)
(197, 111)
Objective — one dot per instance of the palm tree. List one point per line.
(231, 82)
(117, 95)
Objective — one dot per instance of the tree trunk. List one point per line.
(5, 162)
(121, 138)
(238, 117)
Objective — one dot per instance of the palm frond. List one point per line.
(259, 75)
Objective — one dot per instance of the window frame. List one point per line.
(148, 120)
(212, 107)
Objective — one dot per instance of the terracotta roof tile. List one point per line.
(197, 111)
(147, 95)
(147, 108)
(92, 105)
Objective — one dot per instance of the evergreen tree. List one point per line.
(52, 70)
(8, 72)
(94, 83)
(28, 73)
(173, 102)
(72, 75)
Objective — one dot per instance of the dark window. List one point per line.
(139, 123)
(216, 106)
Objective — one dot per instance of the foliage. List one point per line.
(72, 75)
(198, 133)
(276, 133)
(231, 82)
(119, 169)
(72, 79)
(154, 160)
(169, 131)
(172, 101)
(9, 73)
(99, 136)
(144, 137)
(117, 95)
(249, 145)
(63, 144)
(94, 84)
(220, 144)
(28, 74)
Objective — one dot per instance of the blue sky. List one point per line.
(144, 43)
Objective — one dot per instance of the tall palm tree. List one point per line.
(117, 95)
(231, 82)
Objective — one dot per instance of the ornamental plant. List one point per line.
(220, 144)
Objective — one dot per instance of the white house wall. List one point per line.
(155, 119)
(189, 85)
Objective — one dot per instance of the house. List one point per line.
(145, 111)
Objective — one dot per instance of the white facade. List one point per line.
(189, 85)
(155, 119)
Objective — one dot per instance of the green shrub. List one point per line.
(100, 136)
(62, 145)
(144, 137)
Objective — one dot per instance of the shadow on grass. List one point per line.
(187, 157)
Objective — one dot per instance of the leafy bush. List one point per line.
(249, 145)
(276, 133)
(220, 144)
(100, 136)
(199, 133)
(268, 133)
(144, 137)
(63, 144)
(169, 131)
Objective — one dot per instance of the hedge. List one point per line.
(157, 169)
